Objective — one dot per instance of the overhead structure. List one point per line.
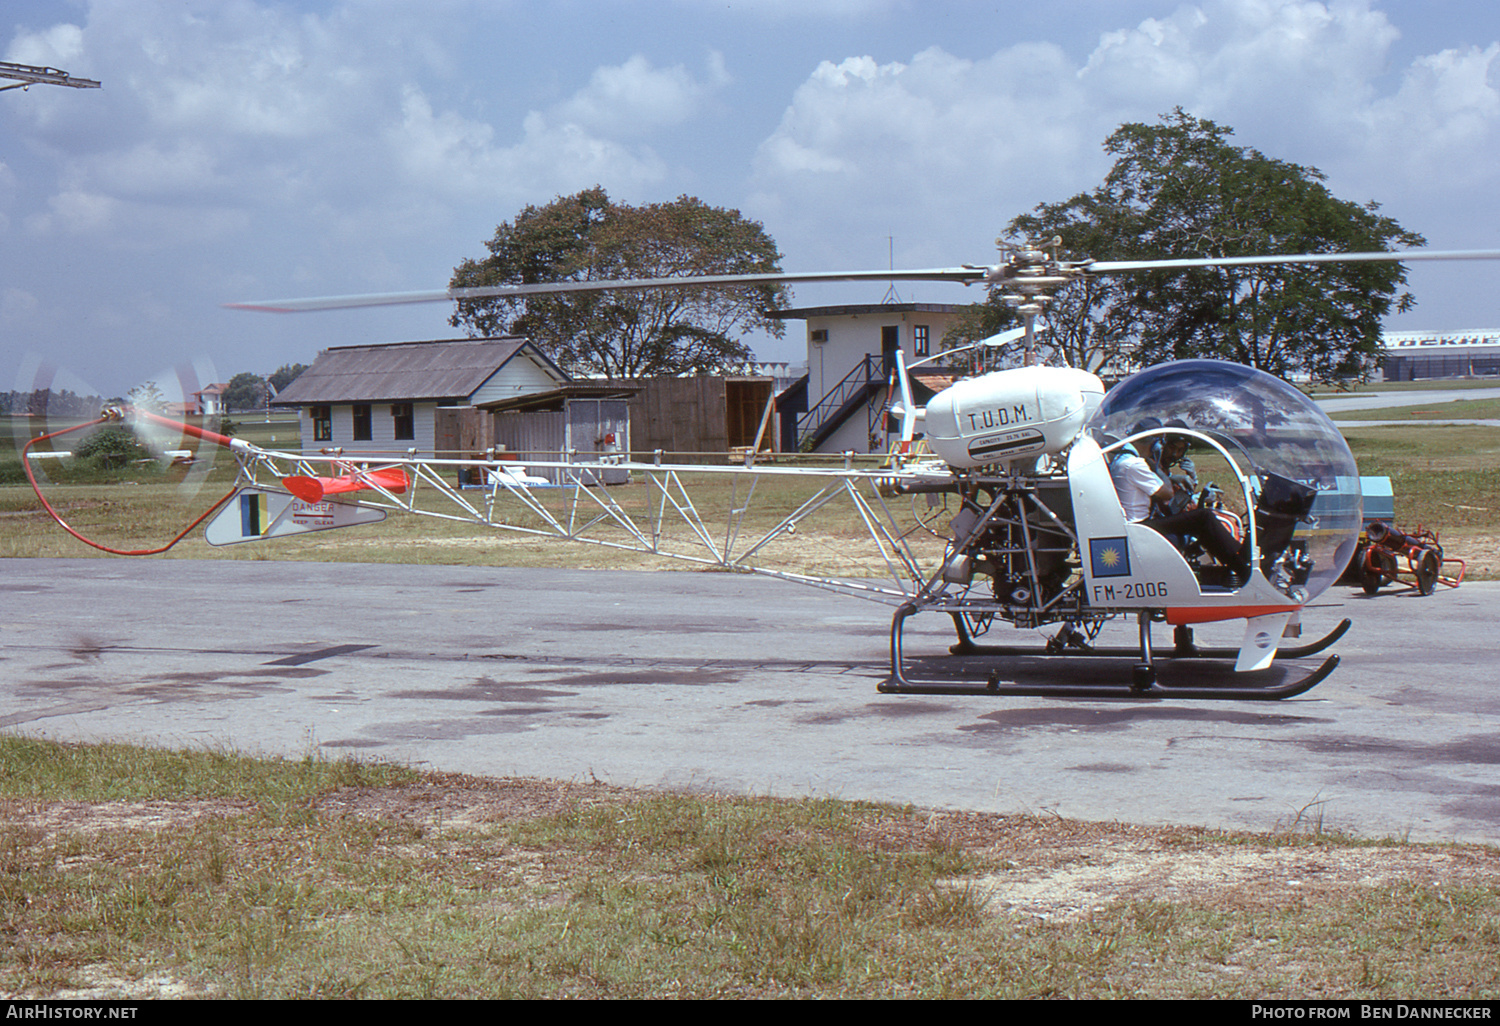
(27, 75)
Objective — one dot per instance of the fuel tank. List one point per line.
(1013, 414)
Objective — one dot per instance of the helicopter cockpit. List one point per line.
(1281, 451)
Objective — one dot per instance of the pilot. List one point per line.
(1171, 462)
(1140, 487)
(1137, 483)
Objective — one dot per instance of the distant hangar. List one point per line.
(1415, 355)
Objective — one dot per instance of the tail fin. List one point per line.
(906, 406)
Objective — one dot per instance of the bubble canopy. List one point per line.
(1268, 426)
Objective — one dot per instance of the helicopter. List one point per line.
(1037, 536)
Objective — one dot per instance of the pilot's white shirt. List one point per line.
(1135, 483)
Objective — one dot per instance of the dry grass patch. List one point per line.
(305, 880)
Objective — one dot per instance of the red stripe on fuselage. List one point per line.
(1212, 614)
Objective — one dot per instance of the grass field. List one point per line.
(144, 873)
(1424, 385)
(1457, 409)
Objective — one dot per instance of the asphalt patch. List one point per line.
(486, 689)
(895, 710)
(689, 678)
(322, 653)
(1474, 750)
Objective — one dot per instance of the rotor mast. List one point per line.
(27, 75)
(1027, 277)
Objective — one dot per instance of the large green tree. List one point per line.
(285, 375)
(146, 396)
(245, 391)
(626, 333)
(1180, 189)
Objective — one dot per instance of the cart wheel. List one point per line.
(1380, 569)
(1428, 568)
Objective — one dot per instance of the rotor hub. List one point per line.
(1029, 276)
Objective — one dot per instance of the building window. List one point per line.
(322, 420)
(362, 422)
(405, 424)
(921, 341)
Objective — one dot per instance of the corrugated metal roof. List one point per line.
(442, 369)
(577, 390)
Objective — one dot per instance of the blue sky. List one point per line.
(249, 150)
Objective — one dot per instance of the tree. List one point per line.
(146, 396)
(626, 333)
(1087, 323)
(245, 391)
(1180, 189)
(45, 402)
(1081, 324)
(285, 375)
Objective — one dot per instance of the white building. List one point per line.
(838, 406)
(385, 398)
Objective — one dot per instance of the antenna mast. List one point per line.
(891, 295)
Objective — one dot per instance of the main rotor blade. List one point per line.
(962, 275)
(1120, 266)
(967, 274)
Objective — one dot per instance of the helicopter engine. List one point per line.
(1020, 545)
(1011, 414)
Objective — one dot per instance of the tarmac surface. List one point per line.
(1429, 399)
(740, 684)
(1403, 397)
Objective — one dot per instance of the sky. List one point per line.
(249, 149)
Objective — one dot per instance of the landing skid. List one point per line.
(1183, 647)
(1189, 677)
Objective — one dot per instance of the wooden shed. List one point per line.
(704, 415)
(579, 423)
(686, 418)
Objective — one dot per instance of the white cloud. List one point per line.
(249, 72)
(174, 170)
(1252, 64)
(635, 98)
(1443, 123)
(936, 145)
(16, 304)
(54, 47)
(76, 212)
(590, 138)
(938, 114)
(271, 147)
(814, 10)
(937, 139)
(457, 157)
(263, 107)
